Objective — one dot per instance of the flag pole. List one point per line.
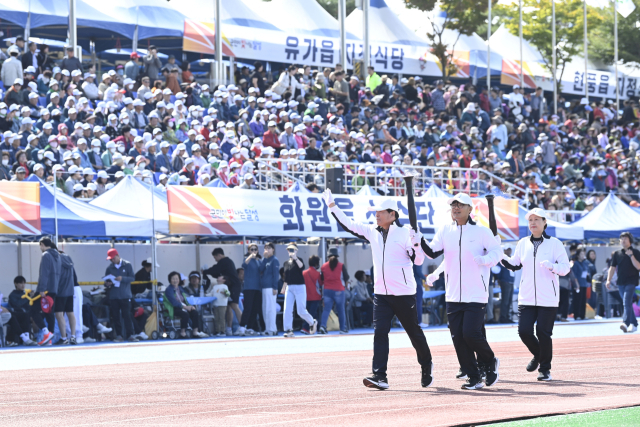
(615, 53)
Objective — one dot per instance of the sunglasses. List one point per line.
(291, 250)
(457, 205)
(253, 250)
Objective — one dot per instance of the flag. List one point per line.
(625, 7)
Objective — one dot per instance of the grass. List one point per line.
(624, 417)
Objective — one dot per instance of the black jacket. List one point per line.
(225, 267)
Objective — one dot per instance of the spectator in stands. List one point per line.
(70, 62)
(313, 283)
(225, 267)
(11, 69)
(295, 292)
(252, 291)
(118, 277)
(269, 277)
(132, 67)
(152, 63)
(335, 277)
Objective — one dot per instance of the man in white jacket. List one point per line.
(469, 252)
(542, 258)
(394, 250)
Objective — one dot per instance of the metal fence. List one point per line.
(280, 175)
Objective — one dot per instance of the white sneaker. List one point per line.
(202, 334)
(89, 340)
(632, 328)
(424, 325)
(142, 336)
(250, 332)
(623, 327)
(598, 317)
(229, 332)
(85, 329)
(314, 328)
(79, 340)
(240, 332)
(103, 329)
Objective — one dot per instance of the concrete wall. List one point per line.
(90, 258)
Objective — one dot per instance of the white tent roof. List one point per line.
(508, 45)
(300, 16)
(609, 219)
(435, 192)
(131, 197)
(385, 26)
(367, 191)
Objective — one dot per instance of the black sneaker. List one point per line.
(492, 372)
(461, 375)
(482, 370)
(376, 381)
(63, 341)
(533, 365)
(544, 376)
(322, 330)
(73, 341)
(472, 384)
(427, 376)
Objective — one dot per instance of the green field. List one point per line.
(625, 417)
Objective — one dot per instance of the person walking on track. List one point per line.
(627, 263)
(469, 252)
(542, 259)
(394, 250)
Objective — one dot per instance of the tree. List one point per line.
(601, 37)
(537, 18)
(461, 16)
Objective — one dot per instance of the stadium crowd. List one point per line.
(155, 121)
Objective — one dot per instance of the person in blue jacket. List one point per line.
(252, 292)
(178, 307)
(269, 277)
(581, 272)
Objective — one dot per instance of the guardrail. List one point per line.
(279, 175)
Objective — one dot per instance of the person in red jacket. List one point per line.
(270, 137)
(334, 275)
(313, 282)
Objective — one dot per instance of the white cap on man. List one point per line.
(463, 198)
(385, 204)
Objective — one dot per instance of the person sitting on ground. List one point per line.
(178, 306)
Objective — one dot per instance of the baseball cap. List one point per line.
(384, 205)
(463, 198)
(112, 253)
(536, 211)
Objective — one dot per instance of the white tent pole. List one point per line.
(342, 17)
(521, 60)
(27, 30)
(134, 42)
(488, 51)
(615, 53)
(154, 268)
(73, 32)
(554, 66)
(55, 206)
(365, 36)
(218, 42)
(586, 56)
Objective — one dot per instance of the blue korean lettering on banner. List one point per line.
(326, 53)
(371, 215)
(290, 209)
(292, 50)
(422, 214)
(311, 51)
(318, 211)
(591, 82)
(346, 205)
(397, 58)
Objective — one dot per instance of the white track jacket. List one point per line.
(392, 261)
(538, 285)
(465, 281)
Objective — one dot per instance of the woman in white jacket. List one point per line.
(542, 258)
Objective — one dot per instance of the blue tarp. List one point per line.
(77, 218)
(217, 183)
(609, 219)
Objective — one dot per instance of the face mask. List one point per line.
(5, 162)
(112, 109)
(625, 186)
(125, 121)
(301, 157)
(367, 151)
(370, 139)
(140, 166)
(47, 162)
(69, 162)
(387, 151)
(353, 148)
(218, 100)
(206, 94)
(54, 144)
(112, 150)
(237, 155)
(384, 127)
(63, 146)
(299, 133)
(397, 162)
(40, 156)
(197, 127)
(129, 87)
(121, 148)
(96, 150)
(3, 111)
(159, 137)
(214, 116)
(245, 116)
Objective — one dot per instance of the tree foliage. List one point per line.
(601, 37)
(537, 17)
(462, 16)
